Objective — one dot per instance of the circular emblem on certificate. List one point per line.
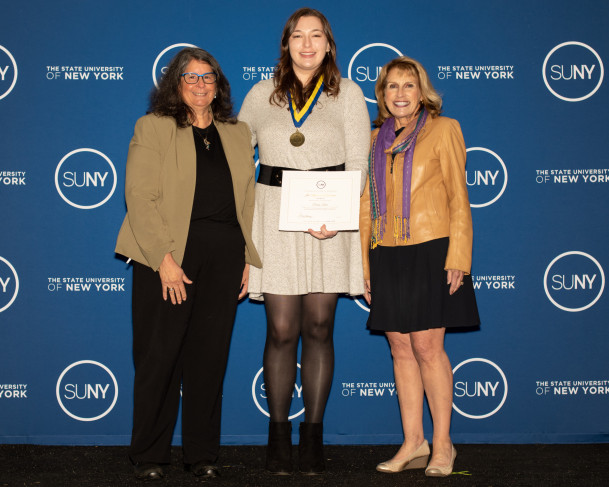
(297, 139)
(321, 184)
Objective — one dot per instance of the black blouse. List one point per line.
(214, 197)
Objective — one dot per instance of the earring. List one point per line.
(215, 94)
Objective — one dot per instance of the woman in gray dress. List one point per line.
(303, 273)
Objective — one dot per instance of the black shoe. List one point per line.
(311, 449)
(148, 471)
(203, 470)
(279, 449)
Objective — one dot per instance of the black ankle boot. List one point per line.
(279, 449)
(311, 448)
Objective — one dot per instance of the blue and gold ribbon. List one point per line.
(299, 116)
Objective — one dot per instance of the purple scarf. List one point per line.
(378, 191)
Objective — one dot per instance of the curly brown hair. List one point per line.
(286, 80)
(167, 100)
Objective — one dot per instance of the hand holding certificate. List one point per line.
(310, 199)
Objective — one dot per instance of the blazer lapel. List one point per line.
(228, 147)
(186, 168)
(186, 154)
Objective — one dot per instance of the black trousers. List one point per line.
(185, 344)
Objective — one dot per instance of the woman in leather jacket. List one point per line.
(416, 232)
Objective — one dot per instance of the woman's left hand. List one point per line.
(455, 279)
(367, 291)
(323, 233)
(244, 281)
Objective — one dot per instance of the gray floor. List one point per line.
(476, 465)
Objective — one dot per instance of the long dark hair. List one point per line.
(286, 80)
(167, 100)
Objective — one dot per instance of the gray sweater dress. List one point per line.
(337, 131)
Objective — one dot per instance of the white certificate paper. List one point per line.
(310, 199)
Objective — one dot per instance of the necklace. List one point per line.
(203, 135)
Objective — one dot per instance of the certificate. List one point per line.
(310, 199)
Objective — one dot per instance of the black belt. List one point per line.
(273, 175)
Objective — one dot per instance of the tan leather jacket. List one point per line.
(439, 203)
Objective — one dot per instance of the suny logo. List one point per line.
(573, 71)
(9, 284)
(480, 388)
(162, 60)
(8, 72)
(87, 390)
(259, 395)
(574, 281)
(85, 178)
(366, 64)
(486, 176)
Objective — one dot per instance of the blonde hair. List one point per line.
(431, 99)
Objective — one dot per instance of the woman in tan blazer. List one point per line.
(190, 196)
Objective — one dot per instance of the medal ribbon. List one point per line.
(299, 117)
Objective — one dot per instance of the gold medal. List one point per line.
(297, 139)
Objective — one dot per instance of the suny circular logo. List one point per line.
(8, 72)
(9, 284)
(486, 176)
(259, 395)
(366, 64)
(573, 71)
(87, 390)
(162, 60)
(574, 281)
(85, 178)
(480, 388)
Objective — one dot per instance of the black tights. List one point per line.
(288, 318)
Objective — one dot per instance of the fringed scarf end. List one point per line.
(378, 230)
(401, 228)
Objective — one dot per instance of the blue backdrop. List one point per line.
(526, 81)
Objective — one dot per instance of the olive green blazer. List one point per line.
(160, 187)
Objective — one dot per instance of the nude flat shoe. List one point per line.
(441, 470)
(417, 460)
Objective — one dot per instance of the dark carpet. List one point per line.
(476, 465)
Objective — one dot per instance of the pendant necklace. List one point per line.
(203, 135)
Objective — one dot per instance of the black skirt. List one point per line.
(409, 290)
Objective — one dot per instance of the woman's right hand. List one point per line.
(323, 233)
(367, 291)
(173, 279)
